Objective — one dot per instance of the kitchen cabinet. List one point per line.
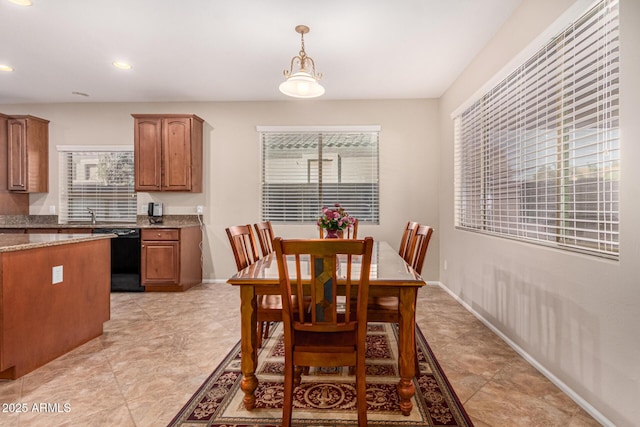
(168, 152)
(10, 203)
(41, 321)
(171, 258)
(28, 154)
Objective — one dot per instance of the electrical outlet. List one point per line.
(56, 274)
(199, 209)
(52, 209)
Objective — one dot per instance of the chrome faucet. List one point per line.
(93, 216)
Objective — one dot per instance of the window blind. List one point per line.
(100, 179)
(538, 156)
(302, 171)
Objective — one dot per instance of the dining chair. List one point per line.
(245, 252)
(243, 245)
(387, 308)
(418, 248)
(264, 231)
(407, 235)
(327, 333)
(347, 233)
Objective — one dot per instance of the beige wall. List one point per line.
(409, 157)
(575, 316)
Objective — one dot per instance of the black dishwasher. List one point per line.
(125, 259)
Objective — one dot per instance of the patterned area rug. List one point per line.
(326, 396)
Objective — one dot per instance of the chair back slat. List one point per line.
(243, 245)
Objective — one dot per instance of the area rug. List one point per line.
(326, 396)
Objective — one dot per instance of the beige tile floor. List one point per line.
(159, 347)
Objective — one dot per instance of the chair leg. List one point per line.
(361, 390)
(297, 375)
(266, 330)
(287, 404)
(259, 335)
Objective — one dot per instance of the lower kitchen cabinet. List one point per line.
(171, 258)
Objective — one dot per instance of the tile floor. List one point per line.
(159, 347)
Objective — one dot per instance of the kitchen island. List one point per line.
(54, 296)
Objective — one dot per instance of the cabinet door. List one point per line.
(17, 155)
(159, 263)
(176, 154)
(148, 156)
(28, 155)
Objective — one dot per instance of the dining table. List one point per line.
(390, 276)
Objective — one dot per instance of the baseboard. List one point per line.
(214, 281)
(544, 371)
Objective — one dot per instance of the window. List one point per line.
(538, 157)
(304, 169)
(97, 178)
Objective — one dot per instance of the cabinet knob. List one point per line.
(159, 234)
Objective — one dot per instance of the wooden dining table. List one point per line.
(390, 276)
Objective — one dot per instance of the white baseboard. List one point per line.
(544, 371)
(214, 281)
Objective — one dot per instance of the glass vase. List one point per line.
(331, 234)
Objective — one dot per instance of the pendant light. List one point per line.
(302, 83)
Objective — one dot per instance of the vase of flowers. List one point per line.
(334, 220)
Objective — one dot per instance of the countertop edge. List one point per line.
(99, 225)
(11, 243)
(35, 222)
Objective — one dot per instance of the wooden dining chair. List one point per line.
(407, 235)
(328, 333)
(419, 244)
(347, 233)
(264, 231)
(387, 308)
(245, 252)
(243, 245)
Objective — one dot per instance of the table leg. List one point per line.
(407, 348)
(249, 350)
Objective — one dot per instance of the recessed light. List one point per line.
(22, 2)
(121, 65)
(5, 68)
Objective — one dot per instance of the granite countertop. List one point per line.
(19, 242)
(51, 221)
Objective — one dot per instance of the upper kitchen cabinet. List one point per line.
(168, 152)
(28, 154)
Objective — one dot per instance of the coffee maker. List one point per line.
(155, 213)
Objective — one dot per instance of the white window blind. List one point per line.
(305, 170)
(97, 178)
(538, 156)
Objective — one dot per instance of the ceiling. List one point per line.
(236, 50)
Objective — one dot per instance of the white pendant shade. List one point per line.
(301, 85)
